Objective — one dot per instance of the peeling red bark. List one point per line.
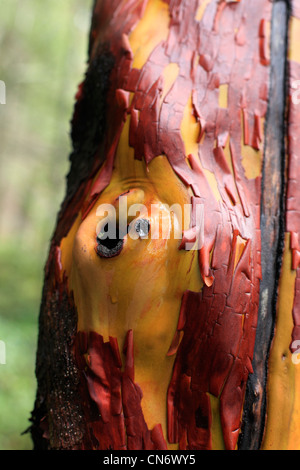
(112, 400)
(293, 190)
(215, 332)
(218, 323)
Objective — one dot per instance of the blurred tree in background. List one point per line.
(43, 51)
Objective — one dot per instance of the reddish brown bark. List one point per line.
(228, 46)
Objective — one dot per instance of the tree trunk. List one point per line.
(153, 342)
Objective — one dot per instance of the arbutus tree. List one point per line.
(144, 344)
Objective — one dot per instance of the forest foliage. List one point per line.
(43, 51)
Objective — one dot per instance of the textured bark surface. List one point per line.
(235, 79)
(272, 227)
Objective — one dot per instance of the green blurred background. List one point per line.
(43, 51)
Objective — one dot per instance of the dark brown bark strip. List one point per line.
(272, 228)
